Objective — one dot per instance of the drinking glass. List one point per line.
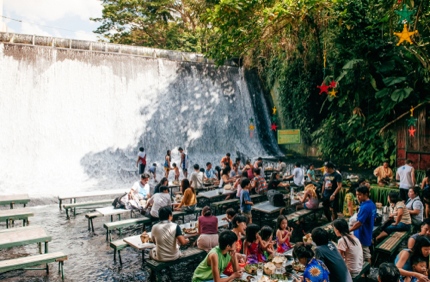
(260, 270)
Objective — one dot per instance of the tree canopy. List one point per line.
(296, 46)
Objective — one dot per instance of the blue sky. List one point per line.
(59, 18)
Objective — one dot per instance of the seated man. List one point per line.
(328, 253)
(384, 174)
(210, 173)
(297, 176)
(259, 184)
(196, 178)
(165, 236)
(212, 267)
(282, 167)
(388, 272)
(160, 200)
(136, 198)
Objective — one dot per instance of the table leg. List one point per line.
(59, 203)
(46, 247)
(40, 247)
(111, 217)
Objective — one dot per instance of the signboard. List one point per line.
(289, 136)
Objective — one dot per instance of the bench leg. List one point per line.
(47, 269)
(67, 213)
(40, 247)
(107, 235)
(59, 203)
(46, 247)
(92, 225)
(119, 257)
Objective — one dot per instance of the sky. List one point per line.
(58, 18)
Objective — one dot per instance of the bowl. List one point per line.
(269, 268)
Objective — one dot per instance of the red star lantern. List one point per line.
(323, 88)
(412, 131)
(274, 127)
(333, 84)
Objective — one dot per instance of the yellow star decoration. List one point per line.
(332, 93)
(412, 111)
(274, 110)
(251, 127)
(405, 35)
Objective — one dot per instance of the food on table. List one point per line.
(269, 268)
(307, 238)
(277, 261)
(251, 268)
(144, 237)
(297, 266)
(264, 279)
(190, 230)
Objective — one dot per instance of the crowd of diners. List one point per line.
(245, 242)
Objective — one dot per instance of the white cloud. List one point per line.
(51, 10)
(27, 28)
(84, 35)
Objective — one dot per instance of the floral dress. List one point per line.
(283, 247)
(316, 271)
(255, 255)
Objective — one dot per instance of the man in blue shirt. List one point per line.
(210, 173)
(363, 228)
(245, 199)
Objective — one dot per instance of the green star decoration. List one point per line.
(274, 118)
(405, 14)
(411, 121)
(251, 120)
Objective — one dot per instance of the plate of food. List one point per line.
(251, 268)
(269, 268)
(297, 266)
(190, 230)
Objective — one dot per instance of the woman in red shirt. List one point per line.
(208, 230)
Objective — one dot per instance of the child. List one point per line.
(283, 235)
(176, 170)
(245, 199)
(252, 245)
(152, 170)
(419, 264)
(266, 243)
(230, 213)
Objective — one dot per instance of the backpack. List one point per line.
(117, 204)
(276, 198)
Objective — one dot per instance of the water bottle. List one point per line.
(292, 192)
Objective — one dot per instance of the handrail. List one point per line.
(64, 43)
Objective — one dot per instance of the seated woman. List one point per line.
(310, 199)
(226, 179)
(404, 259)
(239, 227)
(425, 185)
(189, 201)
(350, 203)
(424, 231)
(315, 270)
(401, 217)
(208, 230)
(275, 181)
(349, 247)
(163, 182)
(247, 170)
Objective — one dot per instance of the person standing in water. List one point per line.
(167, 167)
(141, 160)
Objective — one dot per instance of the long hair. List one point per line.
(272, 178)
(342, 226)
(311, 188)
(186, 184)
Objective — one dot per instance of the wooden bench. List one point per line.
(110, 226)
(390, 244)
(25, 262)
(106, 211)
(92, 204)
(364, 271)
(192, 254)
(11, 200)
(90, 216)
(228, 203)
(16, 237)
(117, 246)
(15, 214)
(93, 194)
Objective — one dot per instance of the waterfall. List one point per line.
(72, 120)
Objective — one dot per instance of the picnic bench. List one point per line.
(11, 200)
(24, 236)
(92, 204)
(103, 212)
(365, 269)
(390, 244)
(110, 226)
(93, 194)
(230, 203)
(30, 261)
(191, 255)
(15, 214)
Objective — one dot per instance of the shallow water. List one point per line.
(89, 257)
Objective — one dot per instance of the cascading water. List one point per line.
(72, 120)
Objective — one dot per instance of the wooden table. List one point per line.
(24, 236)
(172, 186)
(136, 243)
(14, 199)
(15, 214)
(112, 211)
(215, 193)
(73, 197)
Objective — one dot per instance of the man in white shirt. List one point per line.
(196, 178)
(141, 188)
(406, 175)
(297, 175)
(282, 167)
(141, 160)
